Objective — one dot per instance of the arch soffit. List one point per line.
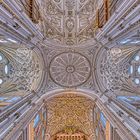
(86, 93)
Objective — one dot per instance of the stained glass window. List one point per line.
(36, 120)
(13, 99)
(103, 119)
(9, 100)
(134, 70)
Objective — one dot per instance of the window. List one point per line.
(131, 69)
(1, 57)
(4, 68)
(137, 58)
(1, 81)
(134, 70)
(13, 99)
(139, 69)
(9, 99)
(103, 119)
(36, 120)
(137, 81)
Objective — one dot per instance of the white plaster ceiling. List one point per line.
(69, 22)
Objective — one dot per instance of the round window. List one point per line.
(137, 81)
(137, 58)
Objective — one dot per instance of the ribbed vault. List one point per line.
(69, 45)
(21, 71)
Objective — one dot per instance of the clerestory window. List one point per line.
(4, 68)
(134, 70)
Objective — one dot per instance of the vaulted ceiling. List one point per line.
(20, 70)
(70, 111)
(70, 54)
(69, 22)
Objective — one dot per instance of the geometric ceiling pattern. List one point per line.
(69, 22)
(114, 70)
(70, 113)
(70, 69)
(24, 69)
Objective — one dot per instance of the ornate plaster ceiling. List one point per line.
(69, 22)
(70, 69)
(24, 68)
(113, 66)
(70, 111)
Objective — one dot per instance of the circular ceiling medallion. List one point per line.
(69, 69)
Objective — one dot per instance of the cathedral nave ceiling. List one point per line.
(69, 22)
(66, 40)
(68, 57)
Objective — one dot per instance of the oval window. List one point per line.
(137, 58)
(1, 81)
(6, 69)
(137, 81)
(1, 58)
